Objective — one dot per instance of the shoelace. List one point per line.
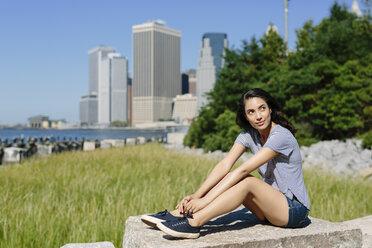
(185, 216)
(163, 213)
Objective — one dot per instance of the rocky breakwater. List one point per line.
(341, 157)
(337, 156)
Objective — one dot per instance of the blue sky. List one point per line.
(44, 44)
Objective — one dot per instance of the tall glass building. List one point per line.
(88, 109)
(107, 100)
(113, 90)
(96, 56)
(212, 50)
(156, 71)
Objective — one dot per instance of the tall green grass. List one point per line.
(87, 196)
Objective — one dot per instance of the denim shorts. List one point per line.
(297, 214)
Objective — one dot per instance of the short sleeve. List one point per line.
(280, 142)
(243, 139)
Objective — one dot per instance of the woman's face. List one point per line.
(257, 113)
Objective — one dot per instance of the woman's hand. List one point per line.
(182, 204)
(195, 205)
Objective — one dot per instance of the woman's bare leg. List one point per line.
(263, 199)
(251, 206)
(176, 212)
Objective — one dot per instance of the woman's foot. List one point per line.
(176, 213)
(154, 219)
(180, 228)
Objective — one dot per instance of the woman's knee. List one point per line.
(251, 181)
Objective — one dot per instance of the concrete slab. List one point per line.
(89, 146)
(44, 150)
(176, 138)
(105, 244)
(365, 224)
(113, 142)
(241, 228)
(14, 154)
(131, 141)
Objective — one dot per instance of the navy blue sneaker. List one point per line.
(154, 219)
(180, 228)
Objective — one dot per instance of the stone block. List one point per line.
(175, 138)
(131, 141)
(89, 146)
(105, 244)
(365, 224)
(241, 228)
(14, 154)
(114, 142)
(105, 144)
(44, 150)
(141, 140)
(117, 142)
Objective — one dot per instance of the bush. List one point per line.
(367, 140)
(225, 134)
(304, 134)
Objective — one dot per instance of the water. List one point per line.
(87, 134)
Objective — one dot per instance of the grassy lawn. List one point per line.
(87, 196)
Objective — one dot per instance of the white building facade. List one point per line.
(184, 110)
(88, 109)
(156, 71)
(212, 50)
(107, 100)
(113, 90)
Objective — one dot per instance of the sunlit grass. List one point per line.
(87, 196)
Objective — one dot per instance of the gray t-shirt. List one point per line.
(284, 172)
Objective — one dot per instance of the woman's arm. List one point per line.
(221, 170)
(217, 174)
(261, 157)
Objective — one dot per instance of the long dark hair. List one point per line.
(276, 115)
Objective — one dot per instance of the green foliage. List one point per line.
(119, 124)
(325, 84)
(198, 133)
(224, 136)
(304, 134)
(367, 140)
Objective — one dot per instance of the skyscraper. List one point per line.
(107, 100)
(113, 90)
(355, 9)
(88, 109)
(212, 50)
(156, 71)
(96, 56)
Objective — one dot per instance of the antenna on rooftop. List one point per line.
(286, 20)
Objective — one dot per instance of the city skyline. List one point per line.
(44, 67)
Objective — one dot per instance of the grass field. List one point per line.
(87, 196)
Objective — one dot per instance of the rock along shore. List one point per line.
(340, 157)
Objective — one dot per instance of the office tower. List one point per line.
(96, 56)
(184, 108)
(272, 28)
(185, 84)
(212, 50)
(88, 109)
(113, 89)
(107, 100)
(130, 100)
(355, 9)
(156, 71)
(192, 81)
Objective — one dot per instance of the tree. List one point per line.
(325, 87)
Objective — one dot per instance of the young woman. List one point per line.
(280, 198)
